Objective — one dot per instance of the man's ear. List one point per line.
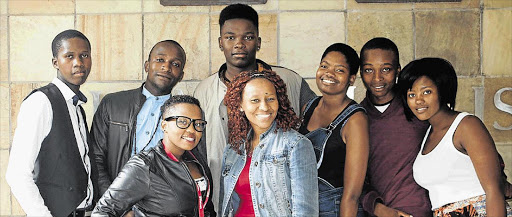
(181, 76)
(146, 66)
(259, 44)
(352, 79)
(397, 74)
(54, 63)
(220, 44)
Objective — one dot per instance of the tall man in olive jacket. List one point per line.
(239, 41)
(127, 122)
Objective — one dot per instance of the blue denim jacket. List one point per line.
(283, 176)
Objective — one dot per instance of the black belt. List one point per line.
(80, 213)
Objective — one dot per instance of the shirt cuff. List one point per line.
(369, 201)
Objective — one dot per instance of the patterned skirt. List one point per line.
(470, 207)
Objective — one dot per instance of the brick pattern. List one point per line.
(3, 49)
(47, 7)
(312, 5)
(497, 46)
(116, 45)
(303, 37)
(30, 40)
(474, 35)
(453, 35)
(100, 6)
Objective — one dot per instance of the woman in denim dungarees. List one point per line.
(338, 129)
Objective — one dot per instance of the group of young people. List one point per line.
(254, 140)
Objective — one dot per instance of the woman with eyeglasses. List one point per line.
(268, 168)
(170, 179)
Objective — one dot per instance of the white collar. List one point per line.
(65, 90)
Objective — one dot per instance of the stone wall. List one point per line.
(475, 35)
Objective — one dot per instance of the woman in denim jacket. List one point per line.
(268, 169)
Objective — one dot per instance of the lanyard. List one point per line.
(200, 201)
(202, 204)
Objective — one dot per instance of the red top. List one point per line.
(243, 189)
(200, 202)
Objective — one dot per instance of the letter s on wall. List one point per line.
(500, 105)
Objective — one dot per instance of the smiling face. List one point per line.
(378, 72)
(333, 74)
(259, 103)
(164, 68)
(73, 62)
(239, 41)
(179, 140)
(423, 98)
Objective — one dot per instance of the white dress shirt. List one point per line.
(33, 125)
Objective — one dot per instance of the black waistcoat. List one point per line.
(59, 172)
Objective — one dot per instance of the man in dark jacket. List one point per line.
(127, 122)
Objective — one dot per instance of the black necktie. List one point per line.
(75, 100)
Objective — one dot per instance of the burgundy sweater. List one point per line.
(394, 144)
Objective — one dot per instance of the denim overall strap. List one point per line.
(320, 136)
(311, 101)
(329, 197)
(343, 117)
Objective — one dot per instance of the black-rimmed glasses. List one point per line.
(183, 122)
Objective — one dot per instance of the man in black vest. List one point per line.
(51, 169)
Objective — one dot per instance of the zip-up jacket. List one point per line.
(157, 185)
(113, 132)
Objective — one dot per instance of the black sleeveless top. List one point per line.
(333, 165)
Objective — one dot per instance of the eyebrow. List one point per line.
(323, 61)
(232, 33)
(161, 54)
(265, 94)
(336, 65)
(384, 64)
(421, 88)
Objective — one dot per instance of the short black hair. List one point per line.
(349, 53)
(65, 35)
(383, 44)
(239, 11)
(170, 42)
(439, 70)
(178, 99)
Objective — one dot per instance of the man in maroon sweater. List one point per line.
(394, 141)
